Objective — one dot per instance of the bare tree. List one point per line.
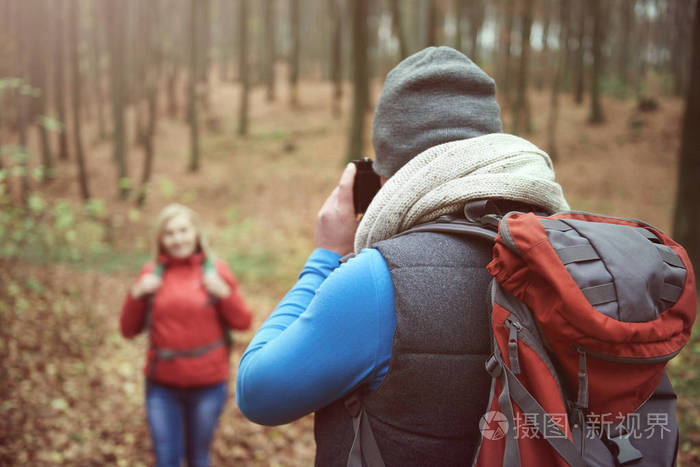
(39, 80)
(77, 87)
(432, 23)
(59, 58)
(477, 14)
(597, 69)
(506, 42)
(397, 26)
(243, 67)
(95, 56)
(580, 52)
(294, 53)
(115, 18)
(336, 56)
(521, 111)
(192, 116)
(153, 56)
(22, 98)
(686, 223)
(360, 79)
(270, 49)
(564, 6)
(625, 46)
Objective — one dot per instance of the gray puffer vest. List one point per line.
(427, 409)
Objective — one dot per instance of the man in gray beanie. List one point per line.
(392, 342)
(433, 97)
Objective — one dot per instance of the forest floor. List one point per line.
(71, 388)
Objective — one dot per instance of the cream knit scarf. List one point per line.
(443, 178)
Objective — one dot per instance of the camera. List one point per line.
(366, 184)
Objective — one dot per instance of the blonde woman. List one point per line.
(186, 300)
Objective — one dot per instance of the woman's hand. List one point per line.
(216, 286)
(148, 284)
(336, 222)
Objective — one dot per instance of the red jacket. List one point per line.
(182, 319)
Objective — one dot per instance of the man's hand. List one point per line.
(216, 286)
(148, 284)
(336, 222)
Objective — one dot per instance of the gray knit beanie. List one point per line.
(434, 96)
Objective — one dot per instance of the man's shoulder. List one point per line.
(434, 249)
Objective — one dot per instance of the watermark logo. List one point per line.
(493, 425)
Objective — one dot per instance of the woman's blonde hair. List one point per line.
(171, 211)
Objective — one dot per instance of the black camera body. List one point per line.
(366, 184)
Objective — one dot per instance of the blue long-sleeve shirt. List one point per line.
(331, 333)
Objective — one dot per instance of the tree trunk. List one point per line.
(192, 116)
(597, 69)
(544, 62)
(22, 99)
(294, 55)
(270, 49)
(59, 75)
(75, 68)
(507, 41)
(39, 80)
(115, 18)
(625, 45)
(521, 112)
(397, 26)
(205, 43)
(580, 52)
(171, 87)
(337, 57)
(553, 119)
(152, 72)
(477, 13)
(686, 222)
(432, 24)
(360, 79)
(95, 56)
(244, 67)
(459, 15)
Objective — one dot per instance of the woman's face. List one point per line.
(179, 237)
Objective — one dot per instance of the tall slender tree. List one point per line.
(507, 41)
(96, 65)
(59, 58)
(75, 98)
(294, 52)
(270, 49)
(360, 78)
(243, 67)
(477, 15)
(580, 52)
(153, 58)
(625, 46)
(521, 111)
(115, 18)
(432, 23)
(39, 80)
(204, 53)
(397, 26)
(22, 97)
(557, 80)
(686, 223)
(336, 56)
(192, 116)
(597, 68)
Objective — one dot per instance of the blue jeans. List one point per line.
(182, 422)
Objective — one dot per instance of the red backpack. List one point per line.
(586, 311)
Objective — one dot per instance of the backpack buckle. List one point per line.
(493, 367)
(626, 453)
